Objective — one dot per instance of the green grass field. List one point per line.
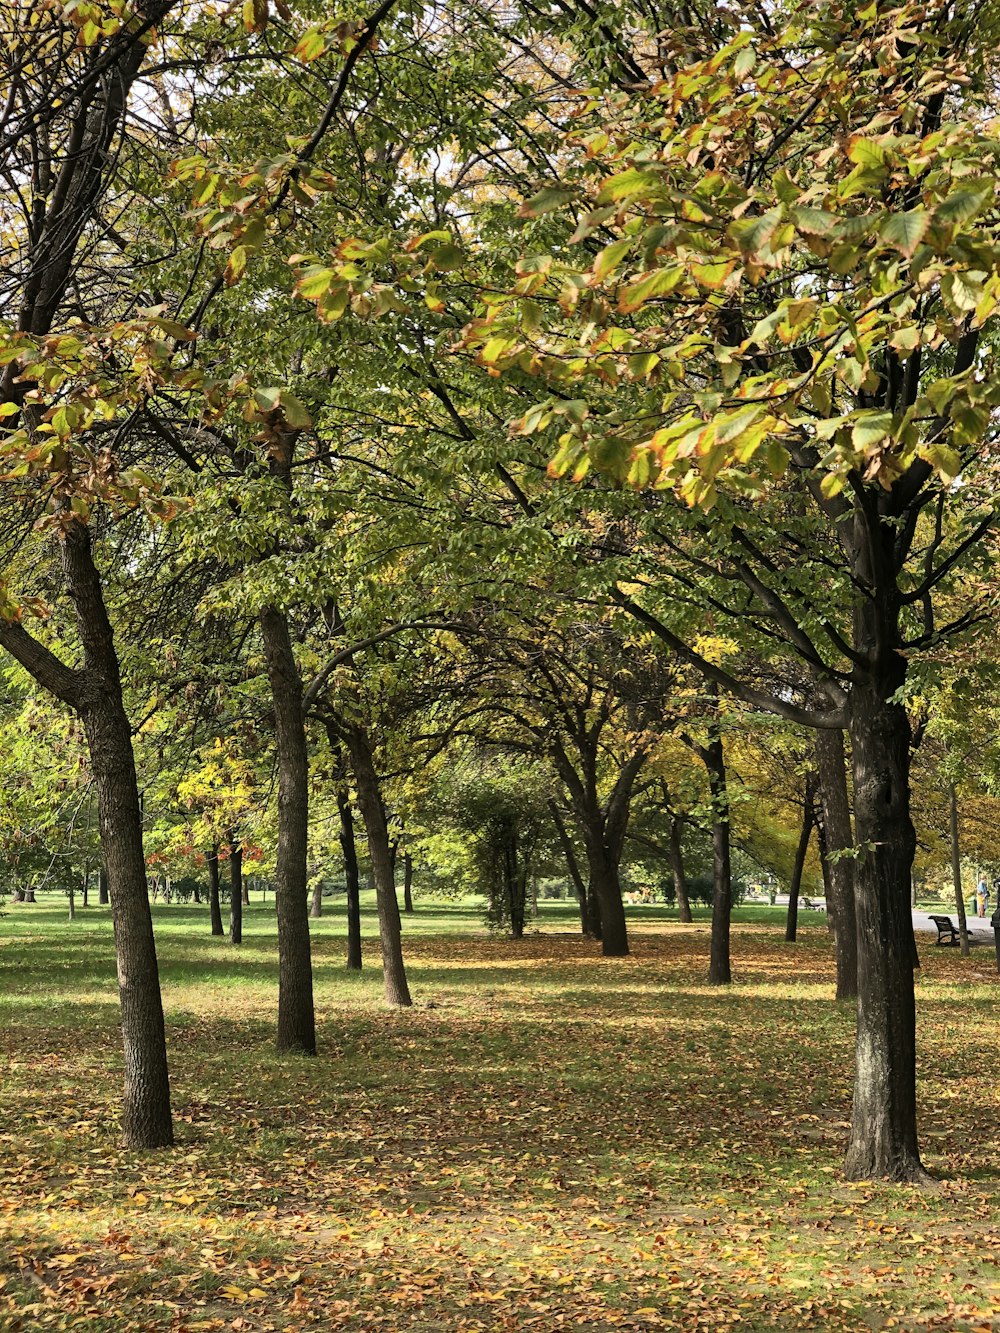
(548, 1140)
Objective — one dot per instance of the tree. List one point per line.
(795, 336)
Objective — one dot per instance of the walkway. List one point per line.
(980, 930)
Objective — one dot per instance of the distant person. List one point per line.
(982, 896)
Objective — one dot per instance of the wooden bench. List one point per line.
(947, 933)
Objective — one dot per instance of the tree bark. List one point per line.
(102, 887)
(296, 1016)
(677, 870)
(397, 992)
(236, 893)
(408, 884)
(714, 758)
(316, 905)
(839, 860)
(883, 1141)
(214, 906)
(795, 888)
(605, 886)
(956, 872)
(352, 880)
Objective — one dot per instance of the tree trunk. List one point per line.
(594, 928)
(714, 759)
(146, 1119)
(296, 1016)
(102, 887)
(883, 1142)
(677, 870)
(236, 908)
(956, 873)
(214, 907)
(352, 880)
(86, 887)
(316, 906)
(799, 865)
(835, 808)
(246, 894)
(397, 991)
(197, 894)
(72, 902)
(606, 887)
(572, 865)
(408, 884)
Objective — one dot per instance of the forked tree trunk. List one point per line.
(397, 992)
(214, 906)
(236, 892)
(296, 1017)
(408, 884)
(799, 865)
(956, 871)
(351, 879)
(677, 870)
(839, 859)
(605, 886)
(883, 1142)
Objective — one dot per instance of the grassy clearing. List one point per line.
(548, 1140)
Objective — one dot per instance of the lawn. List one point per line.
(547, 1140)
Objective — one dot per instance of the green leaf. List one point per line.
(905, 231)
(870, 428)
(965, 202)
(647, 287)
(610, 257)
(628, 184)
(547, 200)
(295, 413)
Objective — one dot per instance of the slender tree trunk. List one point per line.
(102, 887)
(236, 898)
(572, 865)
(956, 873)
(795, 888)
(72, 902)
(397, 991)
(352, 880)
(214, 906)
(316, 905)
(197, 894)
(677, 870)
(883, 1142)
(86, 887)
(835, 807)
(408, 884)
(146, 1119)
(296, 1017)
(714, 759)
(246, 894)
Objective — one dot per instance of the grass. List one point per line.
(548, 1140)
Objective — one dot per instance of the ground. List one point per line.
(548, 1140)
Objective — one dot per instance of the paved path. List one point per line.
(980, 930)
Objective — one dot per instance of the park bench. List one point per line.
(947, 933)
